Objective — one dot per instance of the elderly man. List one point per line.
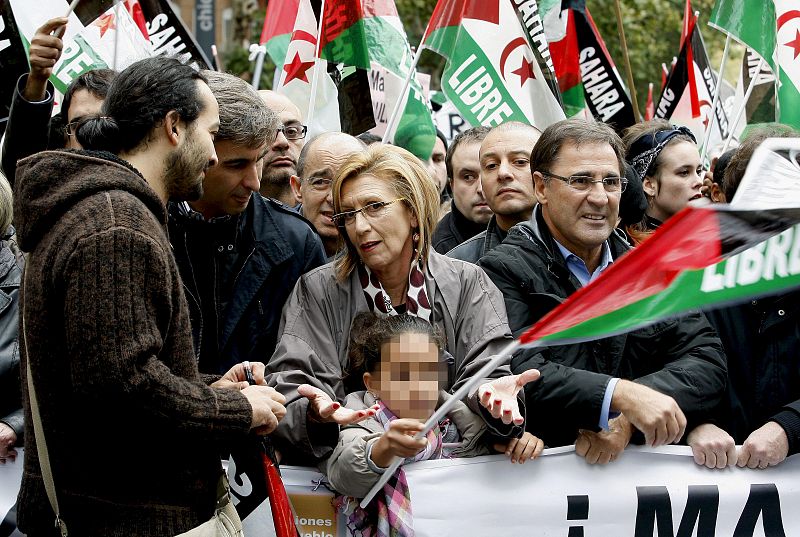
(654, 379)
(239, 254)
(317, 166)
(469, 212)
(507, 185)
(280, 161)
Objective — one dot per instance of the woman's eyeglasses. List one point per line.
(371, 211)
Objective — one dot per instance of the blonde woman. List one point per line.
(386, 210)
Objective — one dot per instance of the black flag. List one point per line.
(168, 34)
(13, 60)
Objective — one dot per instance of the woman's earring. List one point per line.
(415, 238)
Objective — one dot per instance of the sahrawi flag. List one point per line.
(586, 73)
(703, 257)
(787, 57)
(277, 31)
(493, 75)
(390, 61)
(297, 74)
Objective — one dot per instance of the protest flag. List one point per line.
(410, 124)
(787, 61)
(109, 39)
(493, 74)
(168, 35)
(762, 104)
(565, 52)
(649, 107)
(750, 22)
(342, 41)
(605, 92)
(13, 60)
(692, 73)
(687, 264)
(279, 23)
(297, 73)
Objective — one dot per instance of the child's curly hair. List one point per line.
(369, 332)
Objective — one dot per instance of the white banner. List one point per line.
(645, 493)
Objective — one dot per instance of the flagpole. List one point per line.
(411, 72)
(627, 59)
(312, 102)
(442, 411)
(715, 101)
(259, 67)
(743, 107)
(72, 7)
(116, 33)
(399, 104)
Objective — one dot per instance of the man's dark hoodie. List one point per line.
(132, 430)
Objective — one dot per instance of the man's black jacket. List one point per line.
(681, 357)
(236, 294)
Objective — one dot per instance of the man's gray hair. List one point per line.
(244, 119)
(578, 132)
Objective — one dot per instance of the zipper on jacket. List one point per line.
(195, 299)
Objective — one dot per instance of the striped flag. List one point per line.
(278, 26)
(702, 257)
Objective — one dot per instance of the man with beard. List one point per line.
(317, 166)
(105, 336)
(280, 162)
(239, 253)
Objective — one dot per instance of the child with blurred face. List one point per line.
(398, 359)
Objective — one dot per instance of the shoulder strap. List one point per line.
(38, 431)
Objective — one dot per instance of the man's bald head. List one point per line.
(281, 160)
(319, 162)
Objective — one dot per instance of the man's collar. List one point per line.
(605, 256)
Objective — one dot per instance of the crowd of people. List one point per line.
(196, 272)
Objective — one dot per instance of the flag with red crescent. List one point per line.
(787, 56)
(496, 53)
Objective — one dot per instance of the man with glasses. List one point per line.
(280, 161)
(319, 162)
(600, 394)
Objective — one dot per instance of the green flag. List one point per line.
(787, 55)
(751, 22)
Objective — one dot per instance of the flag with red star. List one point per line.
(297, 74)
(278, 26)
(499, 67)
(787, 56)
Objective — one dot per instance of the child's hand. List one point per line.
(522, 449)
(398, 441)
